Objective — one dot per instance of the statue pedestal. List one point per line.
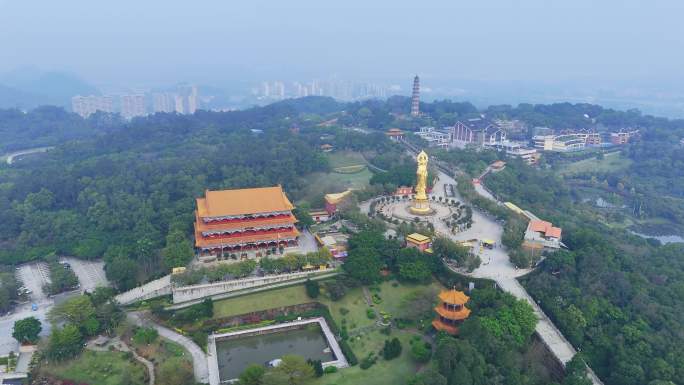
(420, 207)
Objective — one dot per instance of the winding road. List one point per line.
(10, 157)
(199, 358)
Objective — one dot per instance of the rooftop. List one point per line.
(453, 297)
(243, 201)
(334, 199)
(545, 227)
(418, 238)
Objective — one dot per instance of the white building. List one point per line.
(435, 138)
(560, 143)
(133, 105)
(163, 102)
(87, 105)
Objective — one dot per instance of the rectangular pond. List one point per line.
(234, 352)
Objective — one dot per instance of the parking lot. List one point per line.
(34, 276)
(90, 274)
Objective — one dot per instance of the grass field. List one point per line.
(345, 159)
(287, 296)
(610, 162)
(101, 368)
(396, 371)
(351, 173)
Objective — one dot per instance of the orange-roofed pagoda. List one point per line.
(243, 222)
(451, 311)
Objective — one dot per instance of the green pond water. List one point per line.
(234, 355)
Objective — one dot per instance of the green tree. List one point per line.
(26, 330)
(145, 336)
(392, 349)
(363, 264)
(123, 272)
(421, 352)
(75, 310)
(429, 376)
(292, 370)
(313, 289)
(178, 250)
(65, 343)
(252, 375)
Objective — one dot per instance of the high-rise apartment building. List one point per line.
(193, 100)
(87, 105)
(132, 106)
(179, 106)
(163, 102)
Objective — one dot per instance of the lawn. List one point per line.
(353, 305)
(286, 296)
(101, 368)
(396, 371)
(611, 162)
(345, 158)
(318, 184)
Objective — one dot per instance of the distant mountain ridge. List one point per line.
(28, 88)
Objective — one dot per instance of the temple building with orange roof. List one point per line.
(451, 311)
(244, 223)
(395, 134)
(541, 234)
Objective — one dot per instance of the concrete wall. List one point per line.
(195, 292)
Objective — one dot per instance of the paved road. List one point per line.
(199, 358)
(13, 155)
(90, 274)
(307, 242)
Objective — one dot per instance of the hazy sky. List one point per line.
(139, 41)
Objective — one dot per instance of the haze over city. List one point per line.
(486, 51)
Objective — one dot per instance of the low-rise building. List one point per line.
(434, 138)
(395, 134)
(403, 190)
(319, 215)
(542, 234)
(477, 131)
(560, 143)
(497, 166)
(419, 241)
(622, 137)
(332, 201)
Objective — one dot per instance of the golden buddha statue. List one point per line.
(421, 205)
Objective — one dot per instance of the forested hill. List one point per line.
(128, 194)
(617, 297)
